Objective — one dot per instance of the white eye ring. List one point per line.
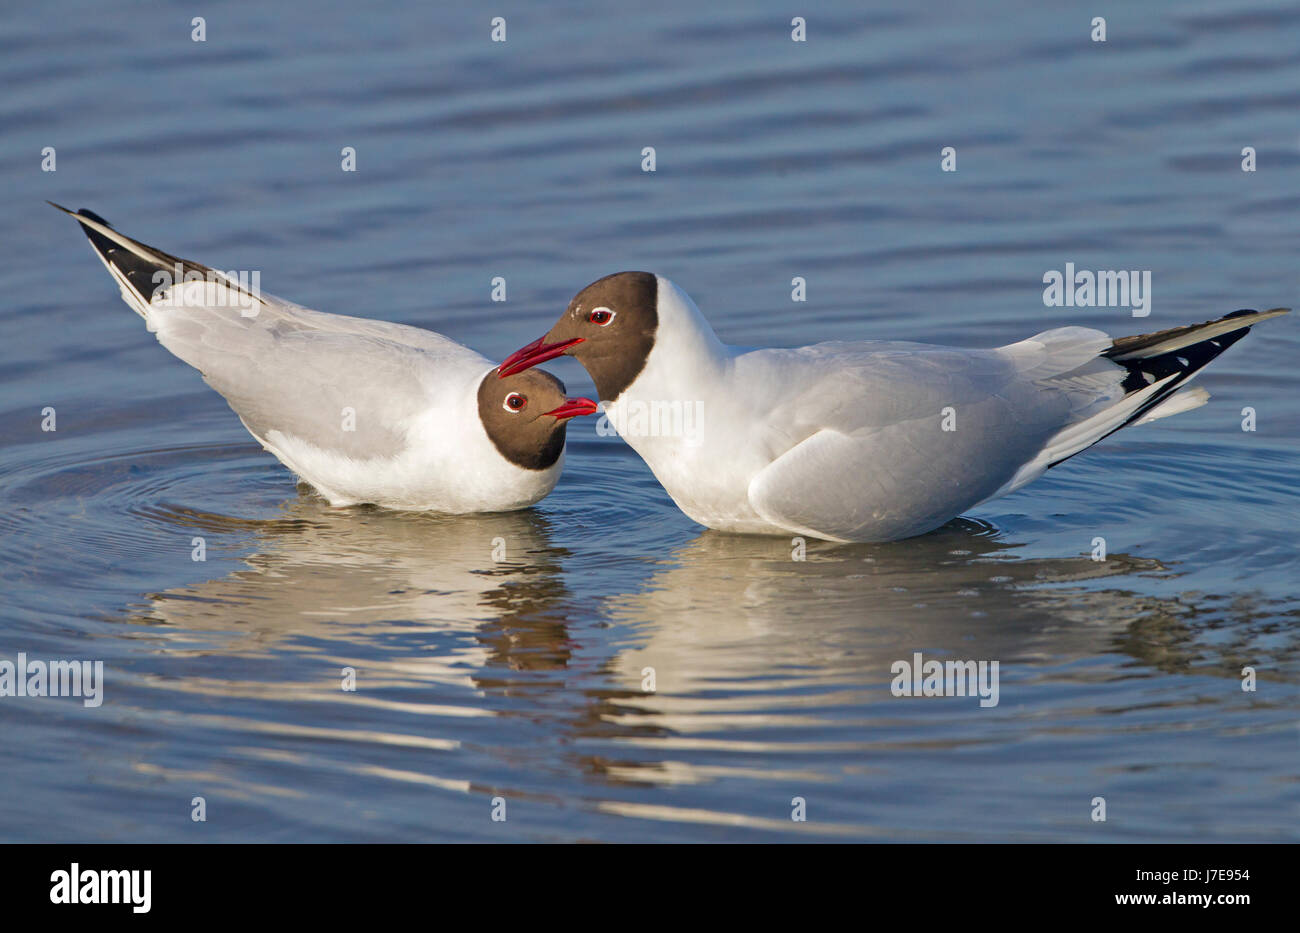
(514, 411)
(610, 311)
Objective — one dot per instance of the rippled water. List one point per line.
(522, 678)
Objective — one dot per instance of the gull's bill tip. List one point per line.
(539, 351)
(572, 408)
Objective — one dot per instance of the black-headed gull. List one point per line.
(365, 411)
(860, 441)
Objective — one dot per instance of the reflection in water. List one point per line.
(722, 607)
(367, 574)
(730, 608)
(505, 655)
(753, 653)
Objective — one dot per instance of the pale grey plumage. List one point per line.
(366, 411)
(864, 441)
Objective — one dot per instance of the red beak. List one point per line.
(571, 408)
(539, 351)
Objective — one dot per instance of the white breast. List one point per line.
(692, 422)
(448, 463)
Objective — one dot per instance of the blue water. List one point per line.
(523, 680)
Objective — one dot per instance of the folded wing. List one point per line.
(898, 438)
(348, 386)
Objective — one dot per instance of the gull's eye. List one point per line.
(514, 402)
(601, 316)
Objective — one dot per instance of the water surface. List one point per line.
(522, 678)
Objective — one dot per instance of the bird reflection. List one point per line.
(380, 578)
(742, 640)
(731, 607)
(736, 632)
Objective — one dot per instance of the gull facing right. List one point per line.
(864, 440)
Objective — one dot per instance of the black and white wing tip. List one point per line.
(1180, 352)
(136, 266)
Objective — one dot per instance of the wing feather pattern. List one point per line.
(346, 385)
(877, 422)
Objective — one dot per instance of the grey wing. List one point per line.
(345, 384)
(899, 438)
(341, 384)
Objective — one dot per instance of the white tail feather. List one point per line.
(1176, 404)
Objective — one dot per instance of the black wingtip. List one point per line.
(84, 212)
(1249, 311)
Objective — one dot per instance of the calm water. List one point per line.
(522, 679)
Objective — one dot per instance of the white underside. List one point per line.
(413, 481)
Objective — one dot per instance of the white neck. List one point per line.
(668, 405)
(687, 354)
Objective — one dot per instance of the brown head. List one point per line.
(524, 415)
(609, 327)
